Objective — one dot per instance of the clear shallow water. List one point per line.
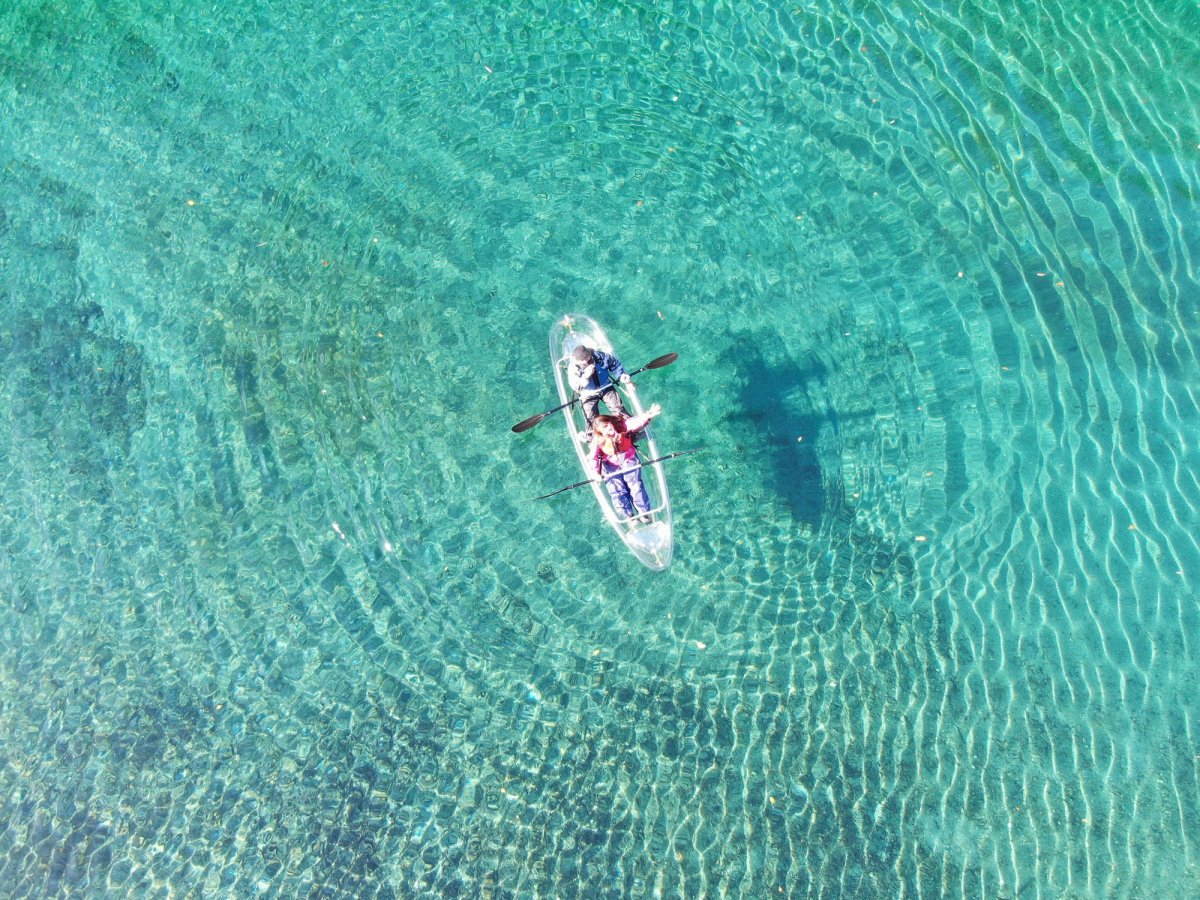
(276, 613)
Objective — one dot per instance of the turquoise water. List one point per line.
(277, 615)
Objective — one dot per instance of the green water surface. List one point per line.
(277, 615)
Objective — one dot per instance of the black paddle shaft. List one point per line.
(641, 465)
(526, 424)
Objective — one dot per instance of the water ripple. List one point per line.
(277, 614)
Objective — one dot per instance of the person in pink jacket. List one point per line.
(613, 451)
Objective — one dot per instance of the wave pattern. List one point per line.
(277, 616)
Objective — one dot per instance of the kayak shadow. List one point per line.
(783, 408)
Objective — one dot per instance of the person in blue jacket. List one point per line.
(593, 375)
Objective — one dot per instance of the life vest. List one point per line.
(624, 450)
(608, 369)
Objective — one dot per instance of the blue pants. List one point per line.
(627, 490)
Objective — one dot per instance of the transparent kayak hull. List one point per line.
(652, 543)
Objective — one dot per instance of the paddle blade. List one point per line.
(528, 423)
(664, 360)
(533, 420)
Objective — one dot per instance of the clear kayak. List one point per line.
(653, 542)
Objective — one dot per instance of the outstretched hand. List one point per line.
(653, 411)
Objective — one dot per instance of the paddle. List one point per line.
(665, 360)
(578, 484)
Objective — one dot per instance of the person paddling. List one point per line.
(592, 374)
(613, 451)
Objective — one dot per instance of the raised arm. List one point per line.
(637, 423)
